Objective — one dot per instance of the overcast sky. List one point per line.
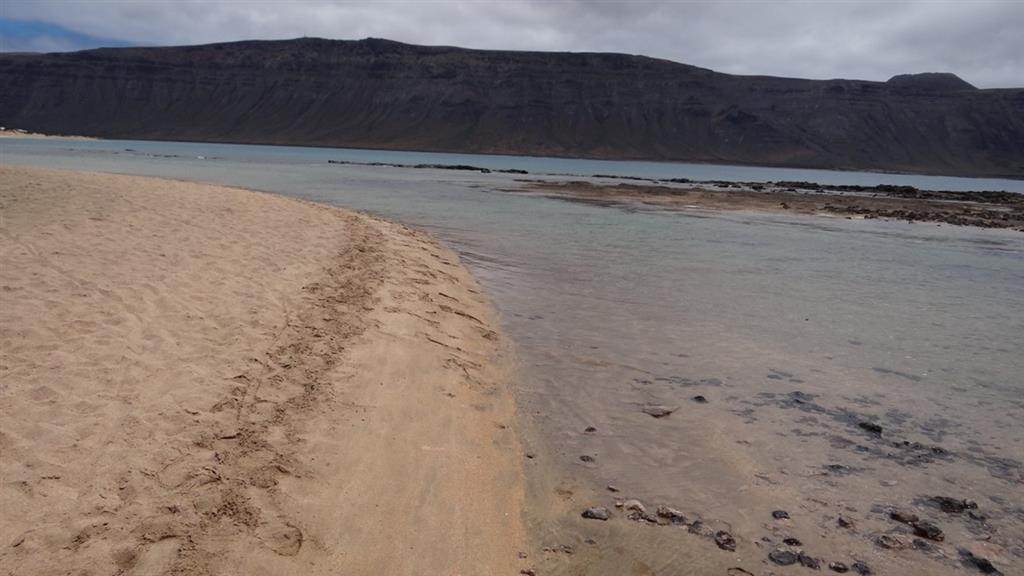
(981, 41)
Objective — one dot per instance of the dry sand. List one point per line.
(207, 380)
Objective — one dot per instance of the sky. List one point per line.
(981, 41)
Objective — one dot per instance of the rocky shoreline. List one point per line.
(984, 209)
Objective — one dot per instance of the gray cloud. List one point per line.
(978, 40)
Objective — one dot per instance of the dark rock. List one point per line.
(587, 458)
(861, 568)
(919, 544)
(590, 429)
(659, 411)
(903, 516)
(725, 541)
(738, 572)
(782, 557)
(926, 529)
(612, 488)
(792, 542)
(982, 564)
(953, 505)
(844, 522)
(780, 515)
(808, 561)
(871, 427)
(889, 542)
(838, 567)
(596, 513)
(700, 399)
(528, 572)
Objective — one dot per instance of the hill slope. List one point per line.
(382, 94)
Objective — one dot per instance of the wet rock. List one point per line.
(889, 542)
(983, 565)
(635, 510)
(792, 542)
(921, 545)
(725, 541)
(586, 458)
(861, 568)
(808, 561)
(926, 529)
(844, 522)
(782, 557)
(953, 505)
(596, 513)
(659, 411)
(671, 514)
(903, 516)
(871, 428)
(838, 567)
(780, 515)
(700, 399)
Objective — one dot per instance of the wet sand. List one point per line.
(983, 209)
(207, 380)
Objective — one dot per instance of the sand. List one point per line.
(15, 133)
(207, 380)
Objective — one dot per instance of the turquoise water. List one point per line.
(794, 329)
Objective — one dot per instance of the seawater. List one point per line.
(794, 330)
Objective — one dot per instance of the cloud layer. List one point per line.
(978, 40)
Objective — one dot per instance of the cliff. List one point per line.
(382, 94)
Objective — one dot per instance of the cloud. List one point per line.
(979, 40)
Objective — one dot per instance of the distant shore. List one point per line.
(207, 380)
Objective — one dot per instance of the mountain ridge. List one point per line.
(383, 94)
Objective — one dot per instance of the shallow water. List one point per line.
(794, 330)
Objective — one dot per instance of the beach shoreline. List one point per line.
(206, 380)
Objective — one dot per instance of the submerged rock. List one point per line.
(659, 411)
(982, 564)
(870, 427)
(926, 529)
(903, 516)
(596, 513)
(808, 561)
(782, 557)
(861, 568)
(671, 514)
(953, 505)
(889, 542)
(725, 540)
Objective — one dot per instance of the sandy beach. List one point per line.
(206, 380)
